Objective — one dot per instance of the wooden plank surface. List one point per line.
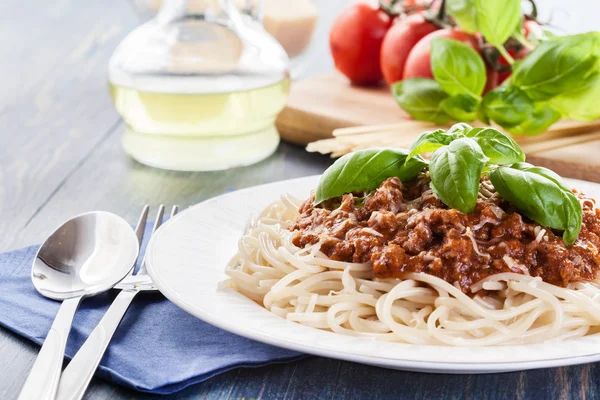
(60, 155)
(321, 104)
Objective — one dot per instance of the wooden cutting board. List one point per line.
(319, 105)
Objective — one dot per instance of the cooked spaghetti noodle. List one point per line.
(306, 286)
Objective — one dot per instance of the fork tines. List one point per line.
(141, 227)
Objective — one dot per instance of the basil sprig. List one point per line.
(559, 78)
(498, 147)
(455, 172)
(540, 194)
(365, 170)
(460, 157)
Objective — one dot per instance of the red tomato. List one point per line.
(418, 61)
(355, 42)
(399, 41)
(414, 5)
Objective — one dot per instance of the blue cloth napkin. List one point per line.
(158, 347)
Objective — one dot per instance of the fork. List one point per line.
(77, 376)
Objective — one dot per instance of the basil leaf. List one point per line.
(459, 129)
(427, 142)
(507, 105)
(421, 98)
(455, 171)
(482, 117)
(539, 121)
(498, 147)
(541, 199)
(497, 19)
(365, 170)
(464, 13)
(461, 107)
(558, 65)
(580, 104)
(457, 67)
(545, 172)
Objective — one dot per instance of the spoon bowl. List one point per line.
(85, 256)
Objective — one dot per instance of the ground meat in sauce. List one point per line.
(408, 229)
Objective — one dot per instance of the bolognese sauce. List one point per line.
(406, 228)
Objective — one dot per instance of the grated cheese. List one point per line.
(469, 233)
(513, 265)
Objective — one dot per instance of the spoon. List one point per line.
(85, 256)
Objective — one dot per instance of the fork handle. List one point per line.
(77, 376)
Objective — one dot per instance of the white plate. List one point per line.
(187, 256)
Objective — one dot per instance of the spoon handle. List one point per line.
(78, 374)
(42, 381)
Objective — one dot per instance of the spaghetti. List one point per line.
(304, 285)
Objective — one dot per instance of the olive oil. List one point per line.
(199, 90)
(185, 130)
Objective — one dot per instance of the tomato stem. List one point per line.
(505, 54)
(389, 7)
(441, 15)
(521, 39)
(395, 8)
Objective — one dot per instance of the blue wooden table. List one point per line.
(60, 155)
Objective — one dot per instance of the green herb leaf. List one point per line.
(498, 147)
(427, 142)
(580, 104)
(482, 117)
(459, 129)
(455, 171)
(497, 19)
(539, 121)
(507, 105)
(461, 107)
(464, 13)
(365, 170)
(541, 197)
(421, 98)
(559, 65)
(545, 172)
(457, 67)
